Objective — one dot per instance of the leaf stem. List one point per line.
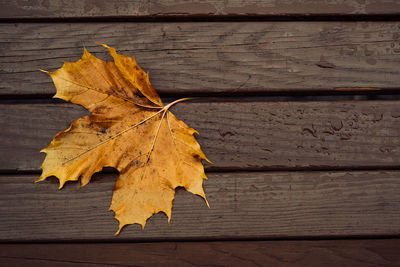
(176, 101)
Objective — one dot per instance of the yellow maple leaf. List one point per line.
(129, 129)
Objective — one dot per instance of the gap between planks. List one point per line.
(216, 18)
(283, 96)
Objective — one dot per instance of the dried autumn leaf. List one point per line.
(129, 129)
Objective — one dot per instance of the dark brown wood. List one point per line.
(210, 58)
(238, 135)
(363, 253)
(215, 58)
(178, 8)
(243, 205)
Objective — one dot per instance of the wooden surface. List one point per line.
(363, 253)
(282, 170)
(243, 205)
(179, 8)
(239, 135)
(213, 58)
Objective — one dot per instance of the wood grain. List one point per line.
(243, 205)
(238, 135)
(363, 253)
(213, 58)
(179, 8)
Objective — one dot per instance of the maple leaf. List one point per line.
(129, 129)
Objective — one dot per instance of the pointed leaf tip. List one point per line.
(106, 46)
(117, 232)
(208, 205)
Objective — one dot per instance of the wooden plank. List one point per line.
(238, 135)
(213, 58)
(365, 253)
(182, 8)
(243, 205)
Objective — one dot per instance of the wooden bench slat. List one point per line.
(213, 57)
(243, 205)
(182, 8)
(238, 135)
(365, 253)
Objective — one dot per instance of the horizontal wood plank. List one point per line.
(213, 58)
(238, 135)
(179, 8)
(363, 253)
(243, 205)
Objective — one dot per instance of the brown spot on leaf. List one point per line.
(196, 156)
(118, 184)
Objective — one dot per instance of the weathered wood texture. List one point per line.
(365, 253)
(243, 205)
(238, 135)
(209, 58)
(211, 8)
